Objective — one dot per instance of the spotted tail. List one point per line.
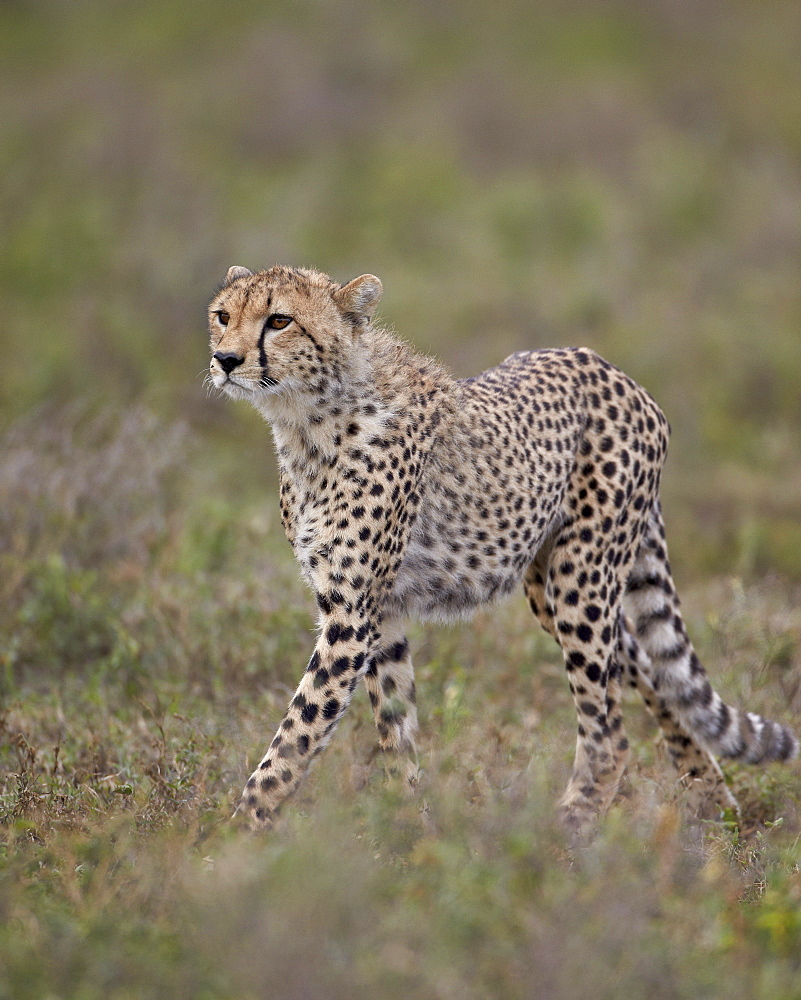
(677, 676)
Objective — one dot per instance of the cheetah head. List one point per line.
(287, 333)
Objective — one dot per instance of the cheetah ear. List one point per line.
(359, 297)
(234, 273)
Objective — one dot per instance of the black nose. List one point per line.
(228, 361)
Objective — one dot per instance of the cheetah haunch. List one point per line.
(408, 493)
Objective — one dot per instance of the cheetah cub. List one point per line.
(406, 492)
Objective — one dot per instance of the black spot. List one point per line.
(340, 666)
(338, 633)
(584, 632)
(330, 709)
(309, 713)
(399, 650)
(593, 672)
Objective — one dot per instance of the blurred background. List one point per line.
(624, 175)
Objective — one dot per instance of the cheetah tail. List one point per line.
(652, 605)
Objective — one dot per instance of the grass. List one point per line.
(134, 689)
(520, 176)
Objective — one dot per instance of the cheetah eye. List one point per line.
(278, 322)
(223, 317)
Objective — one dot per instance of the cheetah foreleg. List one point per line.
(389, 680)
(325, 690)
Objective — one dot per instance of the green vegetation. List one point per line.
(624, 175)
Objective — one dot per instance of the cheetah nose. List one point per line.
(227, 361)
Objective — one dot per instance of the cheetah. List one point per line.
(408, 493)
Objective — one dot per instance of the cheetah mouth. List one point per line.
(238, 387)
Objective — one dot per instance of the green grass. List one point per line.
(520, 175)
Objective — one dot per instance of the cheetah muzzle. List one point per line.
(406, 492)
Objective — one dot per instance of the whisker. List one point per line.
(210, 387)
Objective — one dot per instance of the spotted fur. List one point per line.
(408, 493)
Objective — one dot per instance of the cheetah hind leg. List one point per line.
(389, 680)
(581, 806)
(699, 772)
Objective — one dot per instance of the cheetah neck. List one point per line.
(364, 402)
(308, 439)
